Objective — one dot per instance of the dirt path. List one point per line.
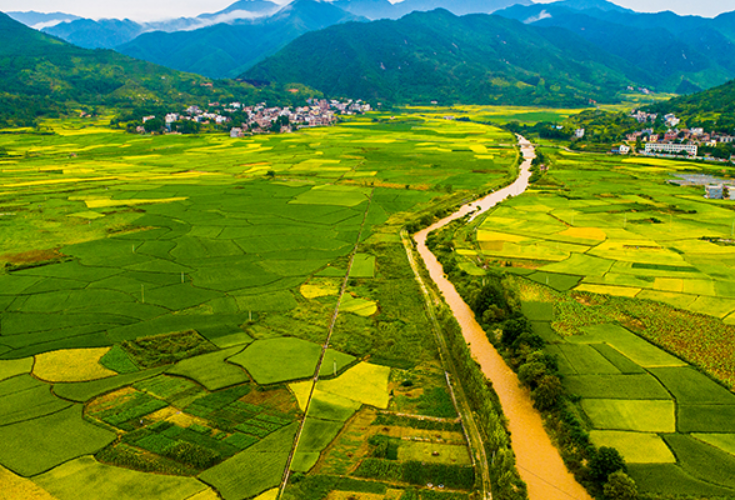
(539, 462)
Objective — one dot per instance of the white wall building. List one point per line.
(667, 148)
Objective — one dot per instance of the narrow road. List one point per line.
(539, 462)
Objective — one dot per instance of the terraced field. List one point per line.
(164, 302)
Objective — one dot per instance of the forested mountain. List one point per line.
(437, 56)
(683, 53)
(226, 50)
(42, 76)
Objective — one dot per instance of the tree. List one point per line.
(513, 329)
(531, 373)
(547, 393)
(606, 461)
(620, 486)
(186, 126)
(153, 125)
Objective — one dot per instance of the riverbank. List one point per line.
(539, 462)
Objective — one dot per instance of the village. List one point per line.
(674, 142)
(243, 120)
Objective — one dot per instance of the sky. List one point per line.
(147, 10)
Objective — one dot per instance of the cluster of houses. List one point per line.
(674, 141)
(261, 119)
(317, 113)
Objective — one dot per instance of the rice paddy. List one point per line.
(157, 293)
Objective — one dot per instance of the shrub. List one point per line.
(606, 461)
(620, 486)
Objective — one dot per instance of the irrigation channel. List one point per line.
(539, 462)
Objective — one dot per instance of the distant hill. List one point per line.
(383, 9)
(39, 20)
(224, 50)
(89, 34)
(437, 56)
(684, 53)
(43, 76)
(110, 33)
(260, 7)
(457, 7)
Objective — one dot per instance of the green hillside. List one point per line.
(476, 59)
(43, 76)
(713, 109)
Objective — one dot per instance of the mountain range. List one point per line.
(42, 76)
(567, 53)
(437, 56)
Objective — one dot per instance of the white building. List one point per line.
(667, 148)
(579, 133)
(671, 120)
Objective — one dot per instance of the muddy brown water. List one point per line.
(539, 462)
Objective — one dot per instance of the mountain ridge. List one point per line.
(437, 56)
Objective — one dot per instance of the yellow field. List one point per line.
(585, 233)
(361, 307)
(669, 284)
(319, 290)
(268, 495)
(619, 291)
(107, 203)
(301, 390)
(635, 447)
(72, 365)
(14, 487)
(364, 383)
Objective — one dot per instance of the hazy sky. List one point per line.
(160, 9)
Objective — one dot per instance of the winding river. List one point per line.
(539, 462)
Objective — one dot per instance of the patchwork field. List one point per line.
(660, 413)
(164, 303)
(614, 226)
(627, 279)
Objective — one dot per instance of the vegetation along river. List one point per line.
(539, 462)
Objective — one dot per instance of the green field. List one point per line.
(284, 359)
(255, 470)
(158, 292)
(87, 478)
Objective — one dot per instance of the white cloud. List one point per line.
(542, 15)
